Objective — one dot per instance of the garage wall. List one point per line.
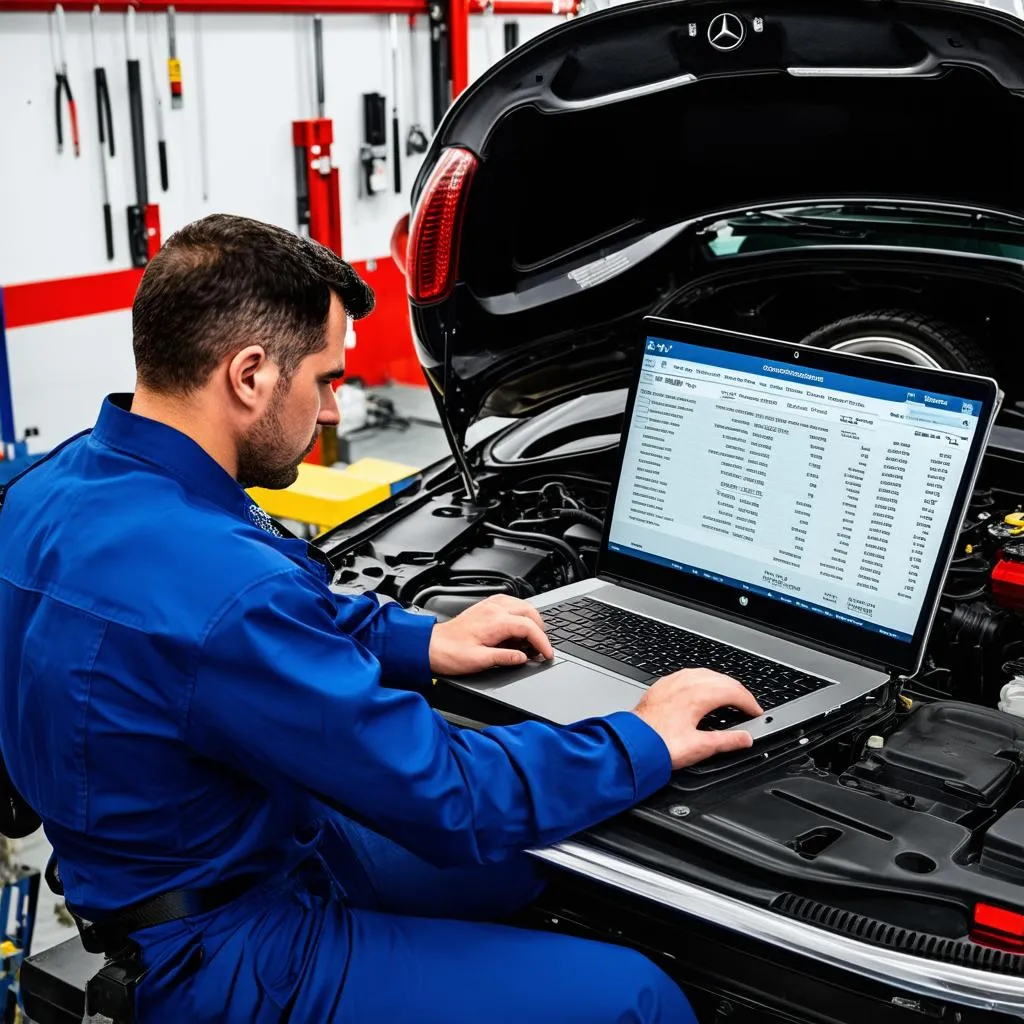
(258, 77)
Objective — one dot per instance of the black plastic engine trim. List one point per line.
(905, 940)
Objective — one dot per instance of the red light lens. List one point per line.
(995, 919)
(998, 928)
(436, 225)
(400, 244)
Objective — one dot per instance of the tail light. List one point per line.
(433, 254)
(400, 243)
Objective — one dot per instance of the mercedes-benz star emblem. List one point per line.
(726, 32)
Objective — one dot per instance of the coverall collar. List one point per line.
(170, 450)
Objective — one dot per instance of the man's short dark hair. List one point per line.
(225, 282)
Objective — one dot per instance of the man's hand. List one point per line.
(674, 705)
(470, 642)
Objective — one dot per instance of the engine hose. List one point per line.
(532, 524)
(567, 500)
(979, 634)
(541, 540)
(568, 479)
(519, 586)
(571, 515)
(442, 591)
(577, 515)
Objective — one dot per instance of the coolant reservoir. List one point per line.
(1011, 697)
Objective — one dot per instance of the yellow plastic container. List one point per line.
(324, 497)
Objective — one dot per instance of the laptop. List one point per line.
(782, 514)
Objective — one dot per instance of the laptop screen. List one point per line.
(821, 491)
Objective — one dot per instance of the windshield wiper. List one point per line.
(774, 221)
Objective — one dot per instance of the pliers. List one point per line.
(60, 65)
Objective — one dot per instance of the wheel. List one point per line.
(904, 337)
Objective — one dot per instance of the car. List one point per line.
(846, 174)
(839, 174)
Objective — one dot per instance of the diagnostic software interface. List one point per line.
(824, 491)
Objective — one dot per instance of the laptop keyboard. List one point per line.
(645, 649)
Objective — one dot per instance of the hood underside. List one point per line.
(602, 142)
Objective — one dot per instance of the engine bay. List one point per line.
(895, 823)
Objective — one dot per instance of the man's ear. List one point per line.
(252, 376)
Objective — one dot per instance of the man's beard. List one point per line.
(263, 461)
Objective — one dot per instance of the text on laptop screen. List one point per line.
(820, 490)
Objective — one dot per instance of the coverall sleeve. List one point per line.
(280, 691)
(398, 639)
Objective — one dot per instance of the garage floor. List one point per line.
(419, 444)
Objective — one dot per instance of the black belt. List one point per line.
(112, 935)
(112, 991)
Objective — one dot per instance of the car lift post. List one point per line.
(317, 181)
(458, 44)
(319, 213)
(457, 24)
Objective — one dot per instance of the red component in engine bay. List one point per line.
(1008, 576)
(998, 928)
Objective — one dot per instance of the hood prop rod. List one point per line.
(453, 442)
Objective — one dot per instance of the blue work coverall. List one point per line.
(183, 700)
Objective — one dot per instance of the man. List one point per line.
(189, 707)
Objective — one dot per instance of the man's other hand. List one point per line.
(674, 705)
(500, 630)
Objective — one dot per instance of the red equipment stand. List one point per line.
(152, 230)
(319, 195)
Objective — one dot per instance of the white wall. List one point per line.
(258, 79)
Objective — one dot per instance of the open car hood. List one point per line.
(601, 147)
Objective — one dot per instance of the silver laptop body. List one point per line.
(715, 527)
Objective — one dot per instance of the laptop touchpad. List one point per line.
(560, 691)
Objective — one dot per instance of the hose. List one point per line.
(577, 515)
(442, 591)
(571, 515)
(567, 500)
(541, 540)
(520, 587)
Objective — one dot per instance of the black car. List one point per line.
(845, 173)
(842, 174)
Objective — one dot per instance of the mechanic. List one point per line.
(190, 708)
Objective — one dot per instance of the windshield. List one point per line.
(795, 227)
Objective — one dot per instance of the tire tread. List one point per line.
(959, 350)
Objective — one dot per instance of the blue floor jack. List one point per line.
(19, 898)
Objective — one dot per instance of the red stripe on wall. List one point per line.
(41, 302)
(384, 350)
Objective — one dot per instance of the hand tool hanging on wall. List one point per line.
(173, 64)
(316, 176)
(440, 83)
(301, 137)
(137, 235)
(373, 154)
(158, 102)
(318, 59)
(511, 35)
(63, 86)
(204, 148)
(106, 125)
(416, 142)
(393, 36)
(489, 25)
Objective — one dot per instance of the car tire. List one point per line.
(906, 337)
